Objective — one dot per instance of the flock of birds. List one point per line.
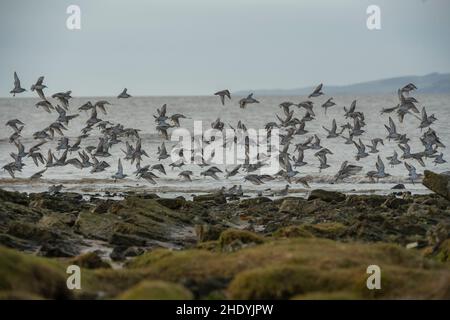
(93, 157)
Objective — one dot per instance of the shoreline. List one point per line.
(144, 237)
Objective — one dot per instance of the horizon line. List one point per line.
(241, 91)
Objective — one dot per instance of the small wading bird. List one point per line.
(222, 94)
(317, 91)
(17, 88)
(249, 100)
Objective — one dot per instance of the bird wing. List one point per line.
(352, 107)
(424, 114)
(392, 124)
(120, 168)
(333, 126)
(163, 110)
(16, 80)
(40, 80)
(318, 88)
(41, 94)
(380, 164)
(408, 167)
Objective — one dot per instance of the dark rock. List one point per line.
(120, 253)
(173, 204)
(122, 239)
(438, 183)
(32, 231)
(59, 249)
(327, 196)
(103, 206)
(234, 239)
(207, 232)
(133, 252)
(372, 200)
(398, 186)
(253, 202)
(217, 198)
(90, 260)
(143, 195)
(61, 202)
(15, 243)
(291, 206)
(394, 203)
(14, 197)
(314, 206)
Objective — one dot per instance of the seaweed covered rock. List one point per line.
(292, 206)
(282, 282)
(217, 198)
(327, 196)
(120, 253)
(156, 290)
(62, 202)
(134, 221)
(329, 230)
(361, 200)
(439, 183)
(286, 268)
(174, 204)
(442, 252)
(233, 239)
(14, 197)
(395, 203)
(26, 276)
(90, 260)
(293, 232)
(103, 206)
(253, 202)
(208, 232)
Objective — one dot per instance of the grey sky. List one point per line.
(178, 47)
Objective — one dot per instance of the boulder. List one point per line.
(64, 202)
(103, 206)
(208, 232)
(394, 203)
(291, 206)
(234, 239)
(90, 260)
(439, 183)
(174, 204)
(217, 198)
(59, 249)
(14, 197)
(372, 200)
(156, 290)
(327, 196)
(253, 202)
(121, 253)
(122, 239)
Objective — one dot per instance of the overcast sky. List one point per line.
(179, 47)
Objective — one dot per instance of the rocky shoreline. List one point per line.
(213, 246)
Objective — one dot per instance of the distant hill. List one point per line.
(430, 83)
